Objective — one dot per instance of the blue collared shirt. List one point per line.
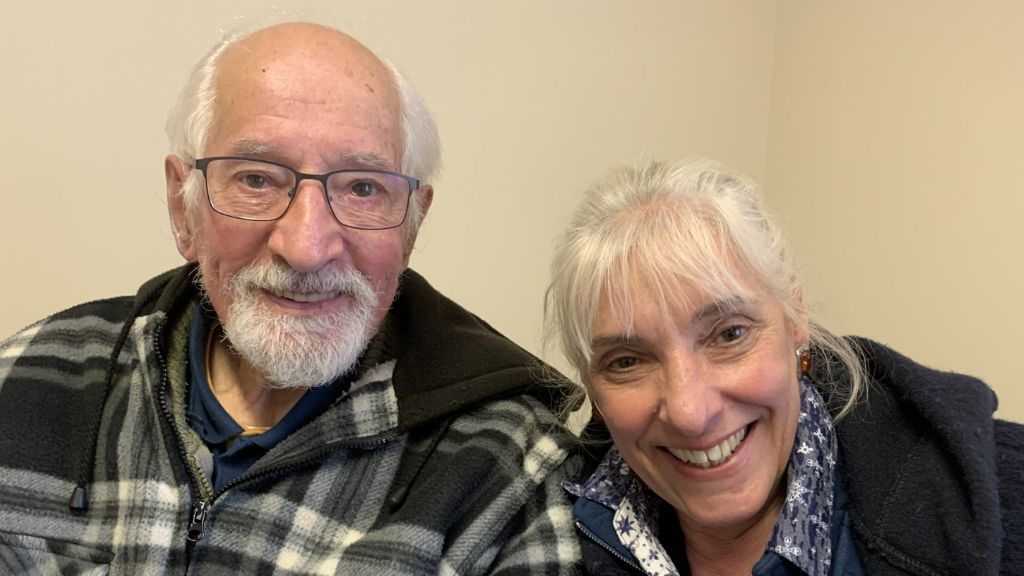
(216, 427)
(804, 535)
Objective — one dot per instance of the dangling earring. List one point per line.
(803, 354)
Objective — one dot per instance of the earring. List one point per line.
(803, 355)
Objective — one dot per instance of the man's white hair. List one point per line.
(188, 126)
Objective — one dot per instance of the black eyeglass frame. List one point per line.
(202, 163)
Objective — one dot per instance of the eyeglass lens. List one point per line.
(257, 190)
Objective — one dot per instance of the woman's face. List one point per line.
(704, 404)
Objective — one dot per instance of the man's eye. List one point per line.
(364, 189)
(255, 181)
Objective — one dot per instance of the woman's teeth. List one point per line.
(298, 297)
(715, 456)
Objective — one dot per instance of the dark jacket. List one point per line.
(442, 456)
(934, 484)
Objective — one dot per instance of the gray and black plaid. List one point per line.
(484, 497)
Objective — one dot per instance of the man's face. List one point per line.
(316, 108)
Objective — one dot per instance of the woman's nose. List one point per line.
(691, 400)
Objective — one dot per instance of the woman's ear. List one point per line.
(175, 173)
(801, 323)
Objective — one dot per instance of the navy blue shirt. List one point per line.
(216, 427)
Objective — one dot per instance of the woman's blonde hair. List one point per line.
(670, 226)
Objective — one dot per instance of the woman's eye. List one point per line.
(255, 181)
(363, 189)
(732, 334)
(623, 363)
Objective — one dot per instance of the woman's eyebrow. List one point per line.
(721, 307)
(614, 340)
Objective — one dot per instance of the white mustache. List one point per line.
(278, 277)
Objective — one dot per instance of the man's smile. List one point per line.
(300, 297)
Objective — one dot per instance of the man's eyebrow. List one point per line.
(724, 306)
(370, 160)
(255, 147)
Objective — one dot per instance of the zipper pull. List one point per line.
(197, 528)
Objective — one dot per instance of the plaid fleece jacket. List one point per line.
(424, 467)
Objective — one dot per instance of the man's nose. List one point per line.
(308, 236)
(691, 399)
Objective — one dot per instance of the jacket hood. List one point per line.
(449, 359)
(920, 469)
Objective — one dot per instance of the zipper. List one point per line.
(201, 507)
(627, 561)
(197, 525)
(197, 528)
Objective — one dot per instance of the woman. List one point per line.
(747, 439)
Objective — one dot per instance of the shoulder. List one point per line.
(904, 399)
(52, 374)
(488, 479)
(920, 465)
(919, 384)
(1009, 437)
(506, 447)
(519, 432)
(74, 334)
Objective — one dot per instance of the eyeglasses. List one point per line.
(261, 190)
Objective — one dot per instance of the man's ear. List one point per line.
(426, 196)
(426, 193)
(175, 173)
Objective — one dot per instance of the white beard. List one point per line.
(299, 351)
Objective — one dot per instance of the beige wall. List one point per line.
(896, 155)
(890, 145)
(533, 99)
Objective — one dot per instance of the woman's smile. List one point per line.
(714, 456)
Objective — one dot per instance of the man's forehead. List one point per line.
(319, 61)
(311, 73)
(304, 41)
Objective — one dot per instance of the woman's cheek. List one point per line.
(626, 411)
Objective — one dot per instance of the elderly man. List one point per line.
(294, 400)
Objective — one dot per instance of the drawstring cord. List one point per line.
(79, 496)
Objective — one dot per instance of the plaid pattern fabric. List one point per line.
(486, 499)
